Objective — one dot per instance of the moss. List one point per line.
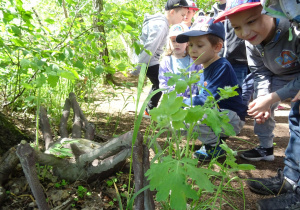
(10, 135)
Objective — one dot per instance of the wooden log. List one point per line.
(77, 123)
(27, 158)
(45, 126)
(8, 163)
(64, 119)
(137, 164)
(148, 194)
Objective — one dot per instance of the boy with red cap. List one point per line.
(190, 14)
(273, 53)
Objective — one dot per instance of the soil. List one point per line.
(117, 117)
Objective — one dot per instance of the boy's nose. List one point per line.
(245, 32)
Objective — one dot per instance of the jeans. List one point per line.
(152, 74)
(247, 89)
(292, 152)
(245, 81)
(241, 72)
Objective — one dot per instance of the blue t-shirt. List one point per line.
(179, 63)
(220, 74)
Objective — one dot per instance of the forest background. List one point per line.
(51, 48)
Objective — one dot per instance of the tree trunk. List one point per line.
(103, 55)
(10, 135)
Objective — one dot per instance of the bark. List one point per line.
(103, 55)
(45, 127)
(10, 135)
(8, 163)
(138, 172)
(63, 127)
(27, 158)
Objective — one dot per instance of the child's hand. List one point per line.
(297, 97)
(258, 107)
(262, 104)
(263, 118)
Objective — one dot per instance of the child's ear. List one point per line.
(218, 47)
(172, 11)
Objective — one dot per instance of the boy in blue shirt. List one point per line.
(205, 42)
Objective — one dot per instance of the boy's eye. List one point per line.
(251, 21)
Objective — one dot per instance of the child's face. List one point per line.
(252, 26)
(189, 16)
(178, 49)
(178, 15)
(201, 50)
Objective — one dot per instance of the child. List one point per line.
(176, 57)
(274, 61)
(234, 51)
(154, 35)
(205, 42)
(190, 14)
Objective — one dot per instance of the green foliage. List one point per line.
(82, 192)
(172, 180)
(59, 151)
(63, 183)
(171, 183)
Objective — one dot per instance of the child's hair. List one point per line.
(168, 50)
(213, 39)
(174, 31)
(177, 9)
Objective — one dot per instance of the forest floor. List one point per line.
(117, 117)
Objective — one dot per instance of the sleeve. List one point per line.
(262, 75)
(220, 77)
(163, 80)
(156, 35)
(289, 90)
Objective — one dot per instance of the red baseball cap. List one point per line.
(235, 6)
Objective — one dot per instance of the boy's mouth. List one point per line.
(252, 38)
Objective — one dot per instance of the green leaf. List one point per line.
(122, 67)
(50, 21)
(181, 86)
(52, 80)
(17, 42)
(171, 180)
(99, 69)
(79, 65)
(228, 92)
(40, 81)
(67, 75)
(16, 30)
(27, 86)
(194, 114)
(25, 63)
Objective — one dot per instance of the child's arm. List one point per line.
(220, 77)
(156, 37)
(163, 80)
(262, 75)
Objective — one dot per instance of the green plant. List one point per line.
(60, 151)
(43, 171)
(82, 192)
(178, 174)
(63, 183)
